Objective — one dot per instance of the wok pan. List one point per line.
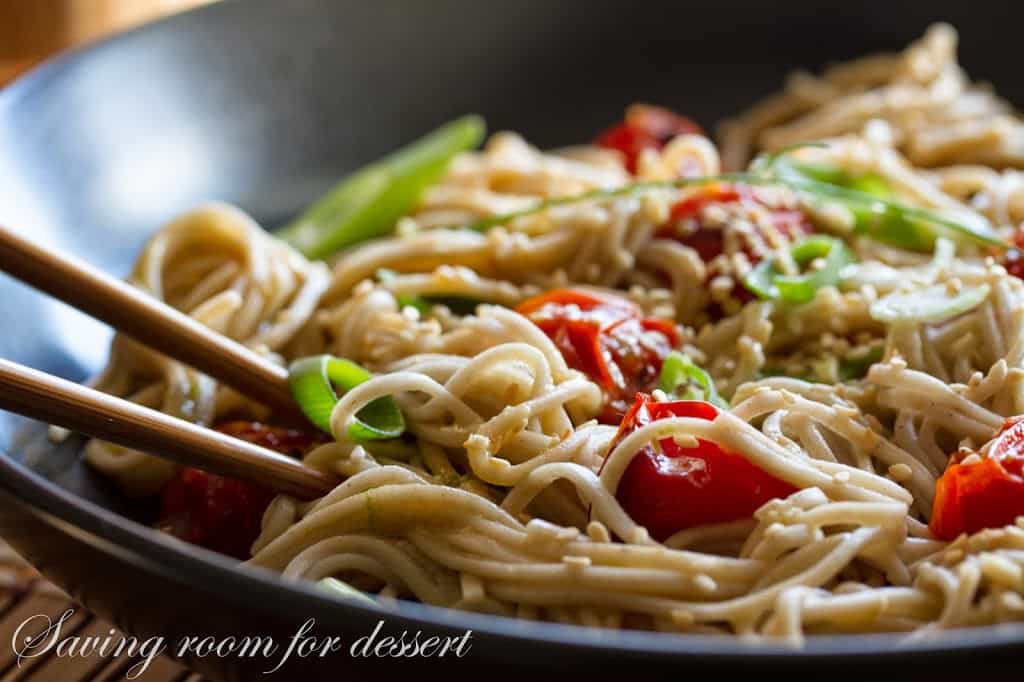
(265, 104)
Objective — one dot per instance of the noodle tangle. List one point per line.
(502, 496)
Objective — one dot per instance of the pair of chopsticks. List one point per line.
(48, 398)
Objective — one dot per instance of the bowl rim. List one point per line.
(152, 552)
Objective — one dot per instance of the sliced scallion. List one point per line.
(930, 304)
(681, 379)
(312, 381)
(368, 203)
(459, 305)
(767, 282)
(857, 364)
(869, 199)
(880, 218)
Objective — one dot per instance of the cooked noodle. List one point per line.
(503, 500)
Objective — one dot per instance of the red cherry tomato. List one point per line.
(708, 242)
(645, 127)
(686, 226)
(606, 338)
(680, 488)
(224, 514)
(294, 442)
(988, 493)
(631, 143)
(1013, 259)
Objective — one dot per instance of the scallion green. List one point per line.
(857, 364)
(930, 304)
(312, 382)
(766, 281)
(369, 202)
(879, 218)
(869, 200)
(681, 379)
(460, 305)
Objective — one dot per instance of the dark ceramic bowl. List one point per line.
(265, 104)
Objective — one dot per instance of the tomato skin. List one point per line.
(294, 442)
(220, 513)
(586, 301)
(660, 122)
(681, 488)
(211, 511)
(1013, 259)
(606, 338)
(987, 493)
(709, 242)
(644, 127)
(631, 143)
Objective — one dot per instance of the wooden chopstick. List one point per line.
(50, 399)
(146, 319)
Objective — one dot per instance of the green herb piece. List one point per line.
(459, 305)
(681, 379)
(369, 202)
(856, 366)
(767, 282)
(931, 304)
(312, 382)
(869, 200)
(882, 219)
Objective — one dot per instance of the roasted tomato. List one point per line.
(686, 225)
(680, 488)
(1013, 259)
(606, 338)
(645, 127)
(224, 514)
(294, 442)
(986, 491)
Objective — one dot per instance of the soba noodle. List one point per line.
(504, 498)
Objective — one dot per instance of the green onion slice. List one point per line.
(931, 304)
(681, 379)
(418, 302)
(767, 282)
(772, 159)
(368, 203)
(868, 197)
(781, 164)
(857, 364)
(877, 217)
(312, 381)
(459, 305)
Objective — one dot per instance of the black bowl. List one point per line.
(264, 104)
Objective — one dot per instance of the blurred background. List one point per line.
(32, 30)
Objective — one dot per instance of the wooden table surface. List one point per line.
(30, 31)
(24, 594)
